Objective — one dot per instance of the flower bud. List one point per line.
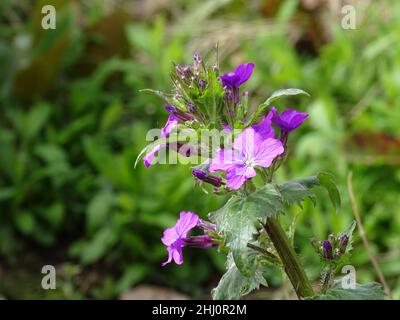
(327, 250)
(343, 241)
(204, 176)
(181, 115)
(203, 241)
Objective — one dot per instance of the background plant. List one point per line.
(71, 112)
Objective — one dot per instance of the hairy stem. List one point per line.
(291, 263)
(326, 280)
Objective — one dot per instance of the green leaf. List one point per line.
(168, 98)
(35, 121)
(282, 93)
(295, 191)
(97, 212)
(326, 180)
(25, 222)
(238, 221)
(369, 291)
(234, 285)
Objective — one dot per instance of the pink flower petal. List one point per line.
(238, 175)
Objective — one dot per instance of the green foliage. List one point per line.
(77, 98)
(294, 192)
(239, 220)
(234, 284)
(369, 291)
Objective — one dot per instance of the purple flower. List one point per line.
(250, 150)
(235, 78)
(202, 84)
(176, 238)
(264, 128)
(196, 61)
(343, 240)
(203, 241)
(289, 119)
(327, 250)
(172, 123)
(204, 176)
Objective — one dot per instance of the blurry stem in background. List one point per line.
(288, 256)
(363, 103)
(364, 236)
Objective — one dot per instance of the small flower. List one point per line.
(204, 176)
(176, 238)
(236, 78)
(327, 250)
(289, 119)
(264, 128)
(250, 150)
(196, 62)
(171, 124)
(202, 84)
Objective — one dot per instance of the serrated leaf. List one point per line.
(296, 191)
(234, 285)
(369, 291)
(238, 221)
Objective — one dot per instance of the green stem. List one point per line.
(326, 280)
(291, 263)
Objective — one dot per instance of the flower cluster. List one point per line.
(332, 248)
(203, 99)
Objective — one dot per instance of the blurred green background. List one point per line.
(73, 121)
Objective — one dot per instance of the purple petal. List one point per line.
(223, 160)
(235, 78)
(148, 158)
(170, 236)
(230, 80)
(245, 143)
(171, 124)
(174, 253)
(289, 119)
(187, 221)
(264, 128)
(238, 175)
(227, 128)
(267, 151)
(244, 72)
